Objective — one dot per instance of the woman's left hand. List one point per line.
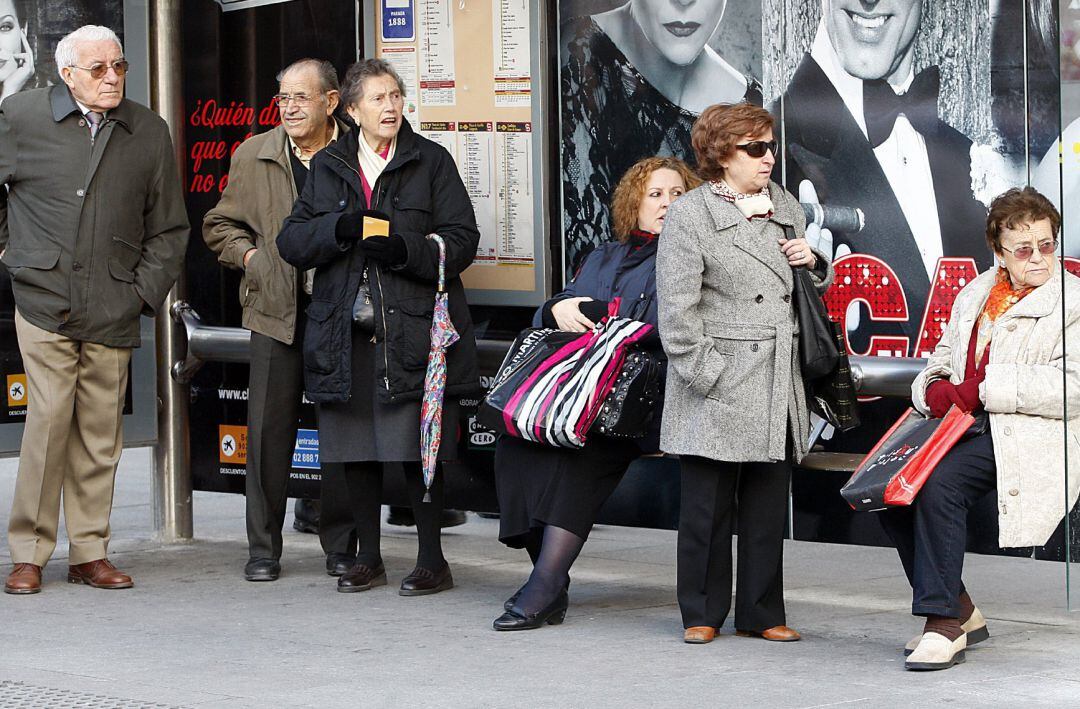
(798, 253)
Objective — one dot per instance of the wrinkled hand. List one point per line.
(390, 250)
(568, 315)
(822, 240)
(798, 253)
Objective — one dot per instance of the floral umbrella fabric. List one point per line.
(443, 335)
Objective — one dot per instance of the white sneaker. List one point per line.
(937, 652)
(975, 627)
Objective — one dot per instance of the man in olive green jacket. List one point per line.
(265, 176)
(93, 231)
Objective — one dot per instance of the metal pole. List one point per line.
(172, 469)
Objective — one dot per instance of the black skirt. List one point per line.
(540, 485)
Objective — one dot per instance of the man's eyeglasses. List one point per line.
(298, 99)
(98, 71)
(758, 148)
(1046, 248)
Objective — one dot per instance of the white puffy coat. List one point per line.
(1031, 386)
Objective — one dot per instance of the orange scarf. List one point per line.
(1002, 297)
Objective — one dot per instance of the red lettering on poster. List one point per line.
(213, 119)
(861, 278)
(950, 277)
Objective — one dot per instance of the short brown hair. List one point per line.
(631, 188)
(719, 128)
(1016, 207)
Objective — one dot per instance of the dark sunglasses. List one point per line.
(1046, 248)
(758, 148)
(98, 71)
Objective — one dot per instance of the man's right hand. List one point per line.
(568, 315)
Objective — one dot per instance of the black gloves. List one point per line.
(390, 250)
(350, 227)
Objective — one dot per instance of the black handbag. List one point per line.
(832, 397)
(818, 353)
(630, 406)
(363, 309)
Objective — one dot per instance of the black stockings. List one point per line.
(551, 568)
(365, 498)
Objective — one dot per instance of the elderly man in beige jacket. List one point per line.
(266, 174)
(1002, 357)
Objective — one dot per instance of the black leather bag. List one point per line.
(818, 354)
(832, 397)
(363, 309)
(629, 408)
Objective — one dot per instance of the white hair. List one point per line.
(67, 50)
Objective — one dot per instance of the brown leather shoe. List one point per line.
(424, 582)
(361, 578)
(777, 633)
(23, 579)
(699, 635)
(99, 574)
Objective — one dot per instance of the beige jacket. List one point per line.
(1030, 387)
(257, 199)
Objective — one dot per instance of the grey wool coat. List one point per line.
(728, 326)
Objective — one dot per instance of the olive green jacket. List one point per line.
(257, 199)
(92, 234)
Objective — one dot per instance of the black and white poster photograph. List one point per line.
(634, 76)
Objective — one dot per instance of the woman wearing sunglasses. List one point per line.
(735, 410)
(1002, 357)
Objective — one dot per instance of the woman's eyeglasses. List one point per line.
(98, 71)
(758, 148)
(1046, 248)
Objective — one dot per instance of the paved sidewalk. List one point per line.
(193, 633)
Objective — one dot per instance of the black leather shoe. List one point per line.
(517, 619)
(338, 563)
(306, 515)
(361, 578)
(422, 582)
(508, 604)
(262, 570)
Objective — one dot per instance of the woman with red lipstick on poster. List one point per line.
(16, 56)
(633, 81)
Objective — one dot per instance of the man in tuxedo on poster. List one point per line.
(861, 130)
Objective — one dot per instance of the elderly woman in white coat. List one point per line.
(1002, 357)
(735, 410)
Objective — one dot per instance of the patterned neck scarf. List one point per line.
(1002, 297)
(752, 206)
(639, 237)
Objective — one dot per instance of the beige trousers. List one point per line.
(71, 444)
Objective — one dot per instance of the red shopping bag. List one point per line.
(892, 474)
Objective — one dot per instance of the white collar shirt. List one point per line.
(902, 157)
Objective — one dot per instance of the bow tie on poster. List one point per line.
(881, 105)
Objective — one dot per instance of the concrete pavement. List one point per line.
(193, 633)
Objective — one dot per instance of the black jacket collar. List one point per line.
(348, 144)
(63, 105)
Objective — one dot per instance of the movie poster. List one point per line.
(633, 78)
(906, 118)
(29, 33)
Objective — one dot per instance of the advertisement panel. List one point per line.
(910, 118)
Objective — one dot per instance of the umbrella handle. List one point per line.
(442, 260)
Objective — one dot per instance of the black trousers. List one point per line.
(275, 387)
(716, 498)
(931, 534)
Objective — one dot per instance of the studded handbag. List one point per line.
(630, 406)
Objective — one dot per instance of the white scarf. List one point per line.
(751, 205)
(371, 163)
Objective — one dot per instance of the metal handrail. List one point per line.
(872, 376)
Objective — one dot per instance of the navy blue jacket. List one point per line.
(621, 270)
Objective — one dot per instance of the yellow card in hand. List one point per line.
(373, 226)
